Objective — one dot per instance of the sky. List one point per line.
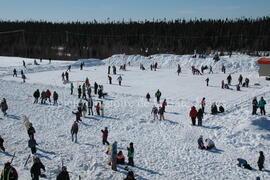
(103, 10)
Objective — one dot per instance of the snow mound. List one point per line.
(237, 62)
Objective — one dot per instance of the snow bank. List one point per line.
(236, 62)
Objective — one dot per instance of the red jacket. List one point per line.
(97, 107)
(48, 93)
(193, 112)
(164, 104)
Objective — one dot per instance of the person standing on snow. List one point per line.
(83, 91)
(109, 69)
(95, 87)
(63, 175)
(71, 88)
(78, 115)
(223, 69)
(261, 161)
(110, 79)
(24, 64)
(32, 145)
(164, 104)
(67, 76)
(130, 154)
(2, 144)
(193, 114)
(148, 97)
(247, 82)
(63, 76)
(203, 104)
(158, 95)
(36, 96)
(240, 79)
(222, 84)
(200, 116)
(161, 113)
(255, 106)
(262, 104)
(36, 168)
(14, 72)
(207, 81)
(119, 80)
(9, 172)
(211, 70)
(90, 106)
(43, 97)
(4, 106)
(105, 134)
(84, 109)
(23, 78)
(114, 156)
(229, 79)
(89, 91)
(48, 95)
(155, 112)
(98, 109)
(74, 131)
(55, 98)
(102, 108)
(31, 131)
(79, 91)
(178, 69)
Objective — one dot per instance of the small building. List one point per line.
(264, 66)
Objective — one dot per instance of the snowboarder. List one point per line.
(262, 104)
(23, 78)
(254, 106)
(110, 79)
(193, 114)
(200, 116)
(90, 106)
(31, 131)
(229, 79)
(161, 111)
(36, 95)
(114, 156)
(9, 172)
(98, 109)
(200, 143)
(71, 88)
(207, 81)
(203, 104)
(119, 80)
(102, 108)
(48, 95)
(105, 134)
(63, 175)
(4, 106)
(2, 144)
(109, 69)
(74, 131)
(78, 115)
(55, 98)
(95, 87)
(209, 144)
(67, 76)
(32, 144)
(158, 95)
(240, 79)
(130, 154)
(79, 91)
(14, 72)
(148, 97)
(261, 161)
(36, 168)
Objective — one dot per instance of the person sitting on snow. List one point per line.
(221, 109)
(120, 158)
(214, 109)
(200, 143)
(209, 144)
(243, 163)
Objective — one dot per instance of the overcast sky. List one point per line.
(100, 10)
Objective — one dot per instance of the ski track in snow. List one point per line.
(163, 149)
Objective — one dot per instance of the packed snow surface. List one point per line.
(164, 149)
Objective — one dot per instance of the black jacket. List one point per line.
(35, 169)
(63, 176)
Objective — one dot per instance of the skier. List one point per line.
(31, 131)
(36, 168)
(240, 79)
(110, 79)
(161, 111)
(119, 80)
(55, 97)
(102, 108)
(109, 69)
(193, 114)
(229, 79)
(254, 106)
(14, 72)
(2, 144)
(105, 134)
(203, 104)
(67, 75)
(43, 97)
(148, 97)
(78, 115)
(262, 104)
(36, 95)
(9, 172)
(90, 106)
(79, 91)
(114, 156)
(200, 143)
(74, 131)
(63, 175)
(95, 87)
(130, 154)
(98, 109)
(200, 116)
(207, 81)
(130, 176)
(84, 109)
(48, 95)
(261, 161)
(209, 144)
(158, 95)
(164, 104)
(23, 78)
(4, 106)
(63, 76)
(71, 88)
(32, 144)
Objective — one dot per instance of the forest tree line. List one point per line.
(74, 40)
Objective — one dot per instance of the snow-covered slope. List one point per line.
(163, 149)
